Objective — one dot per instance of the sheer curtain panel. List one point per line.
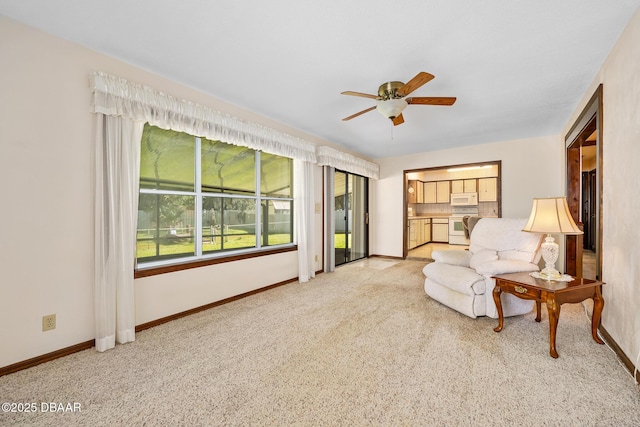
(304, 218)
(117, 152)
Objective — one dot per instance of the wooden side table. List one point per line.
(554, 294)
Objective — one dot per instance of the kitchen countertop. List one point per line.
(425, 216)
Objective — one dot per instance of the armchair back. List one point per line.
(505, 236)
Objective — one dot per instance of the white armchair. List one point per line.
(462, 279)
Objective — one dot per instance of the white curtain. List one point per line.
(329, 223)
(117, 153)
(304, 208)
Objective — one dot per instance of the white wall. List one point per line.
(620, 76)
(46, 169)
(530, 168)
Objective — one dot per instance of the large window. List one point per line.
(202, 198)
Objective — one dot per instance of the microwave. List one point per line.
(464, 199)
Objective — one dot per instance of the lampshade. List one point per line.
(391, 108)
(551, 215)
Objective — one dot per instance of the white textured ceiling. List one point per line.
(518, 68)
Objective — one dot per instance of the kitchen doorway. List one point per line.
(436, 200)
(584, 149)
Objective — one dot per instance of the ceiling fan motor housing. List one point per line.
(390, 103)
(389, 90)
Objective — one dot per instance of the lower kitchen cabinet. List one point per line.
(419, 232)
(440, 230)
(413, 233)
(426, 227)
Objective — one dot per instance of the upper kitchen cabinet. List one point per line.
(463, 186)
(420, 192)
(470, 186)
(488, 189)
(430, 189)
(412, 191)
(443, 192)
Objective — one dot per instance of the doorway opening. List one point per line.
(584, 145)
(351, 217)
(437, 199)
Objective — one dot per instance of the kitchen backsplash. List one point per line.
(488, 209)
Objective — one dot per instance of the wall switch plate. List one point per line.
(48, 322)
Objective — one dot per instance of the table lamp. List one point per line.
(551, 216)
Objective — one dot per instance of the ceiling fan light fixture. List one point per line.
(391, 108)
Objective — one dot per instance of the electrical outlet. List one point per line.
(48, 322)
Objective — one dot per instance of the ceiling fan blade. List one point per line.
(398, 120)
(364, 95)
(359, 113)
(413, 84)
(431, 100)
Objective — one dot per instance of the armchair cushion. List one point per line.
(481, 257)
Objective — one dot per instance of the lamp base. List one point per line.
(549, 251)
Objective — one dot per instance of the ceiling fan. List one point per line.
(393, 98)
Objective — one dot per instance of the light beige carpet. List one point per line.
(361, 346)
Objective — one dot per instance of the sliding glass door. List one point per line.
(351, 217)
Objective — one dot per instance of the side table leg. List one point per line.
(554, 314)
(598, 304)
(496, 298)
(538, 317)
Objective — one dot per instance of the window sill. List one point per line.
(153, 271)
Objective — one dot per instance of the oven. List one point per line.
(456, 225)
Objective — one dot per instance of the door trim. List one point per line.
(590, 119)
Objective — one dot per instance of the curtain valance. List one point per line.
(116, 96)
(328, 156)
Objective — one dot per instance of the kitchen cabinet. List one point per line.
(470, 186)
(419, 192)
(419, 232)
(463, 186)
(488, 189)
(426, 230)
(443, 191)
(411, 191)
(413, 233)
(430, 189)
(440, 230)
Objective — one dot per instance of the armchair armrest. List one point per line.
(504, 266)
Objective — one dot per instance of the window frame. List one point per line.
(199, 259)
